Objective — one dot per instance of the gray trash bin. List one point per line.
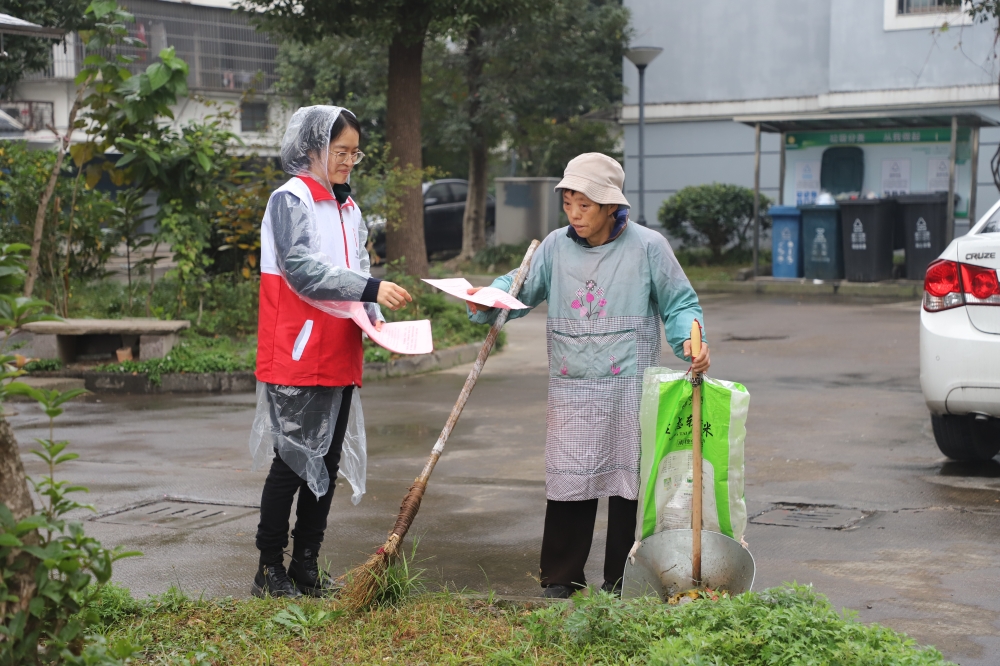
(924, 218)
(867, 227)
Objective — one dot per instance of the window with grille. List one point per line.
(222, 49)
(907, 7)
(253, 117)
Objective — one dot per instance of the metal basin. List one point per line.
(663, 565)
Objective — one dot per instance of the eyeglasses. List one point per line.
(341, 158)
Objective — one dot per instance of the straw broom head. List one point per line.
(362, 583)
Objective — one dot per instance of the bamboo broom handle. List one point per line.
(696, 498)
(411, 503)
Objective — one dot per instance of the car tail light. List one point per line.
(943, 286)
(980, 285)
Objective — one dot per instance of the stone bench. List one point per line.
(98, 339)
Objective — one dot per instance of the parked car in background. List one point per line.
(444, 208)
(960, 343)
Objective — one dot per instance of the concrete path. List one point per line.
(836, 418)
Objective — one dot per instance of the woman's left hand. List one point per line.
(701, 364)
(378, 326)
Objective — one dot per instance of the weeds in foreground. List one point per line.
(788, 625)
(302, 622)
(402, 580)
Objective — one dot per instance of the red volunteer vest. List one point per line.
(298, 344)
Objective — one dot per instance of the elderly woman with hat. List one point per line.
(608, 284)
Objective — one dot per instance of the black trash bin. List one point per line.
(924, 218)
(867, 228)
(822, 257)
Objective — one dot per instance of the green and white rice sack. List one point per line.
(665, 477)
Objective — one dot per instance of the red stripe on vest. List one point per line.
(318, 192)
(330, 354)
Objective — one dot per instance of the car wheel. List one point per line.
(966, 438)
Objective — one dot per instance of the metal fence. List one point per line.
(34, 116)
(222, 49)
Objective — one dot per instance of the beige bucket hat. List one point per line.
(599, 177)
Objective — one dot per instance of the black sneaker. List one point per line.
(615, 589)
(305, 573)
(272, 581)
(558, 592)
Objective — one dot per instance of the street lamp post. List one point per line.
(640, 57)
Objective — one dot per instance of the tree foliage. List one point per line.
(717, 216)
(74, 239)
(546, 73)
(547, 77)
(404, 26)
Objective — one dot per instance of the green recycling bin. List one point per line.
(821, 250)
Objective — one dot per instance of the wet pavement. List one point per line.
(836, 419)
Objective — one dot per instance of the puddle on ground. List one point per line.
(980, 470)
(982, 476)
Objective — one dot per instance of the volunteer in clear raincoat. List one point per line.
(314, 262)
(609, 283)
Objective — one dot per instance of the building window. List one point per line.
(927, 6)
(924, 14)
(253, 117)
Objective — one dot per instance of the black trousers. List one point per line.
(279, 491)
(569, 533)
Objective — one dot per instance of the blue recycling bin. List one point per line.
(786, 242)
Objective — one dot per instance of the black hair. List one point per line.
(344, 120)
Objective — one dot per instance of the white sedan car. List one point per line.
(960, 343)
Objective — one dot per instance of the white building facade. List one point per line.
(227, 59)
(789, 59)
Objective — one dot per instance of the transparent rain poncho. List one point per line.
(299, 422)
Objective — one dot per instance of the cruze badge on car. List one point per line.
(980, 255)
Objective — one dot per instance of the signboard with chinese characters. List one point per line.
(800, 140)
(895, 177)
(927, 151)
(806, 182)
(937, 174)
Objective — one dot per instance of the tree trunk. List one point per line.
(50, 188)
(474, 220)
(405, 236)
(13, 483)
(15, 495)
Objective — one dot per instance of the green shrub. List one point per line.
(500, 258)
(79, 213)
(227, 307)
(716, 216)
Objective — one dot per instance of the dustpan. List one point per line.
(661, 565)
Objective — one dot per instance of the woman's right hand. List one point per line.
(392, 296)
(475, 307)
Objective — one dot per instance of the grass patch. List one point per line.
(194, 353)
(43, 365)
(786, 625)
